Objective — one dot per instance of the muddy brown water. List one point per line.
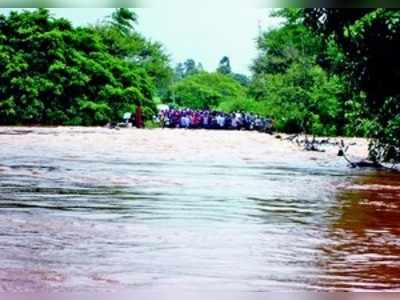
(92, 209)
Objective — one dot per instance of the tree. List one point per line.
(303, 100)
(200, 67)
(187, 68)
(224, 66)
(53, 73)
(202, 90)
(130, 45)
(283, 46)
(190, 67)
(179, 72)
(241, 78)
(370, 42)
(287, 79)
(124, 19)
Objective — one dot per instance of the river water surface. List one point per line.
(91, 209)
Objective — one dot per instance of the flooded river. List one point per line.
(92, 209)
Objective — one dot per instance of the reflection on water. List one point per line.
(146, 215)
(363, 249)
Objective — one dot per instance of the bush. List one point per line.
(204, 90)
(242, 104)
(302, 100)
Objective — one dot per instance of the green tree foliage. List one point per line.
(187, 68)
(123, 19)
(204, 89)
(53, 73)
(224, 66)
(179, 72)
(300, 95)
(283, 46)
(244, 104)
(370, 42)
(190, 67)
(241, 78)
(184, 69)
(125, 43)
(303, 100)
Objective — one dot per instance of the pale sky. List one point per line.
(205, 33)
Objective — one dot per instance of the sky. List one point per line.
(205, 33)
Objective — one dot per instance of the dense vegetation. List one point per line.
(369, 43)
(53, 73)
(203, 89)
(296, 91)
(334, 71)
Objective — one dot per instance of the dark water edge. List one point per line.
(79, 219)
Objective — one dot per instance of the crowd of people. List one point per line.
(207, 119)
